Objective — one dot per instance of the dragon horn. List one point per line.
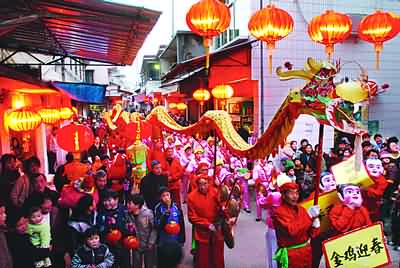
(314, 65)
(306, 75)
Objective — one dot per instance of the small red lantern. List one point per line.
(378, 28)
(270, 24)
(131, 242)
(208, 18)
(172, 228)
(201, 95)
(75, 138)
(330, 28)
(113, 236)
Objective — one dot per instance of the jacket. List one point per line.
(150, 187)
(163, 217)
(85, 257)
(5, 256)
(144, 226)
(40, 234)
(20, 191)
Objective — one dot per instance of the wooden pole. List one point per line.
(319, 162)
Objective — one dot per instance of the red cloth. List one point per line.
(372, 197)
(203, 211)
(76, 170)
(174, 172)
(288, 186)
(344, 219)
(156, 155)
(210, 255)
(293, 226)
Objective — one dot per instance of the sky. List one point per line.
(162, 31)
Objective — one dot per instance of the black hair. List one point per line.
(100, 174)
(377, 135)
(162, 190)
(91, 231)
(373, 150)
(104, 156)
(291, 143)
(169, 254)
(340, 187)
(69, 157)
(110, 194)
(365, 144)
(136, 199)
(304, 140)
(5, 158)
(82, 206)
(29, 162)
(33, 210)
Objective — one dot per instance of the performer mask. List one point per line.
(350, 195)
(374, 167)
(327, 182)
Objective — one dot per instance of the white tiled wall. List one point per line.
(297, 47)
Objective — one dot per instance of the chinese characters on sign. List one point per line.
(364, 247)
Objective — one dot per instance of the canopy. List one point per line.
(91, 29)
(88, 93)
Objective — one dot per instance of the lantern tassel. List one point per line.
(207, 44)
(271, 46)
(329, 51)
(378, 50)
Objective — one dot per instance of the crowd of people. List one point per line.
(93, 215)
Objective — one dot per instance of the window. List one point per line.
(89, 76)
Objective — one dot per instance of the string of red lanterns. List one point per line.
(209, 18)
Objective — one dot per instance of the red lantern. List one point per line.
(208, 18)
(131, 242)
(330, 28)
(172, 228)
(270, 24)
(201, 95)
(378, 28)
(113, 236)
(23, 120)
(75, 138)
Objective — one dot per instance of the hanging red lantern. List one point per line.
(131, 242)
(172, 228)
(24, 119)
(113, 236)
(181, 106)
(330, 28)
(270, 24)
(75, 138)
(208, 18)
(222, 92)
(201, 95)
(378, 28)
(49, 115)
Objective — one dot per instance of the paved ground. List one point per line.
(250, 245)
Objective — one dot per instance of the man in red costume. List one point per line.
(174, 172)
(203, 210)
(373, 195)
(350, 214)
(156, 152)
(294, 228)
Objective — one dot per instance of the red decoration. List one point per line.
(75, 138)
(330, 28)
(24, 119)
(131, 242)
(208, 18)
(378, 28)
(270, 24)
(172, 228)
(113, 236)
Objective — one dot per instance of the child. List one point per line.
(39, 233)
(141, 222)
(112, 216)
(92, 254)
(396, 219)
(166, 212)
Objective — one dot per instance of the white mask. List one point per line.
(374, 167)
(328, 183)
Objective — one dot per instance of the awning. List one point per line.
(83, 92)
(91, 29)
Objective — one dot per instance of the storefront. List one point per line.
(231, 66)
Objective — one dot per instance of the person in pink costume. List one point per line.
(270, 203)
(185, 159)
(221, 173)
(239, 165)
